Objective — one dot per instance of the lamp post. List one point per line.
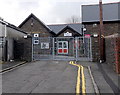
(101, 35)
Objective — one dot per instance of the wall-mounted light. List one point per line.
(95, 35)
(25, 37)
(95, 25)
(84, 29)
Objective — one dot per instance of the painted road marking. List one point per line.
(83, 80)
(80, 69)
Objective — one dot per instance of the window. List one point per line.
(60, 45)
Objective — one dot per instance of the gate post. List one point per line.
(32, 48)
(53, 48)
(76, 48)
(90, 49)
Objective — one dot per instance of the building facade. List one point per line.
(111, 22)
(9, 34)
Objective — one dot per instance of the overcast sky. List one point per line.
(48, 11)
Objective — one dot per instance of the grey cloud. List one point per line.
(28, 5)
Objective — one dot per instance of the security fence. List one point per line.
(61, 48)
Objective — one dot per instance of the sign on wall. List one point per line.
(87, 35)
(67, 34)
(44, 45)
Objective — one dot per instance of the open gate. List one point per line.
(61, 48)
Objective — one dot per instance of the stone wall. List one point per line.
(110, 28)
(36, 27)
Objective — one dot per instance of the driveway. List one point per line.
(41, 77)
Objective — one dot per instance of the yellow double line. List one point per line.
(80, 69)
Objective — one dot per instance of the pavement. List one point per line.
(9, 64)
(105, 77)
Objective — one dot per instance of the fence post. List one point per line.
(90, 49)
(53, 48)
(76, 46)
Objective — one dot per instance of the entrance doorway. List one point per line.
(62, 47)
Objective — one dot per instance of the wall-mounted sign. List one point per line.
(36, 35)
(87, 35)
(36, 42)
(67, 34)
(44, 45)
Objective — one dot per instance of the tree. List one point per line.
(73, 19)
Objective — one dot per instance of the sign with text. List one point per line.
(44, 45)
(87, 35)
(67, 34)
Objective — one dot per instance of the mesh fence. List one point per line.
(61, 48)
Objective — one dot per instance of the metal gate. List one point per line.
(61, 48)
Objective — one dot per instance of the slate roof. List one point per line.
(59, 27)
(90, 13)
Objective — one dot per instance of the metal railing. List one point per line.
(61, 48)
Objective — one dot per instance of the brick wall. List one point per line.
(117, 55)
(112, 45)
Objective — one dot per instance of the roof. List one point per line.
(32, 15)
(90, 13)
(59, 27)
(12, 26)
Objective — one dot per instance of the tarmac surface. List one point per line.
(59, 77)
(43, 77)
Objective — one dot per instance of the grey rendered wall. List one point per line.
(0, 53)
(2, 29)
(10, 49)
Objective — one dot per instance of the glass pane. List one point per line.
(60, 45)
(64, 44)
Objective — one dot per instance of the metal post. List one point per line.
(90, 48)
(32, 48)
(76, 45)
(53, 53)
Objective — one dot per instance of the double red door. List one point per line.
(62, 47)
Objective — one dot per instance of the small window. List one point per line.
(36, 35)
(36, 41)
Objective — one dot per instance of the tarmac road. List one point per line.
(41, 77)
(45, 77)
